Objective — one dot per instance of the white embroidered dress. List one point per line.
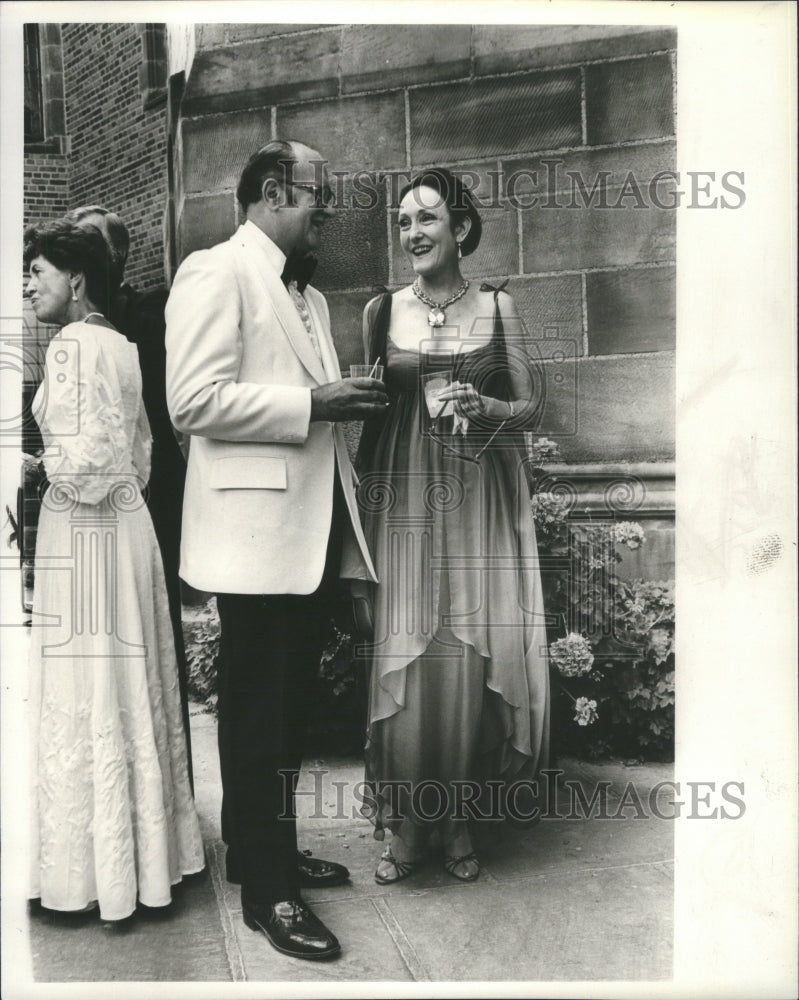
(112, 814)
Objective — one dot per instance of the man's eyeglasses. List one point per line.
(323, 194)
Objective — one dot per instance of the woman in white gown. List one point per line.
(112, 815)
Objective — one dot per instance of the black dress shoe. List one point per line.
(314, 873)
(292, 929)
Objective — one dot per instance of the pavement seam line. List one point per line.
(398, 936)
(582, 871)
(234, 957)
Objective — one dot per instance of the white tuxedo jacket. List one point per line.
(240, 368)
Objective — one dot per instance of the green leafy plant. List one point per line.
(644, 708)
(611, 641)
(336, 665)
(201, 639)
(339, 707)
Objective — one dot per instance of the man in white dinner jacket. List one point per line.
(269, 519)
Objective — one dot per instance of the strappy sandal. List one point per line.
(451, 863)
(402, 869)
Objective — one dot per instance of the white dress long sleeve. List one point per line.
(113, 818)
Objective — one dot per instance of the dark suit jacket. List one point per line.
(140, 317)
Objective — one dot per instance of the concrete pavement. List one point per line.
(568, 899)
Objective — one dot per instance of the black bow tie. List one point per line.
(300, 268)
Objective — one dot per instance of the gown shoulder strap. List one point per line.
(499, 328)
(380, 319)
(498, 338)
(496, 289)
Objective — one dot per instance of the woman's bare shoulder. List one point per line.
(504, 299)
(399, 296)
(507, 305)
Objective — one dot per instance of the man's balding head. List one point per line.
(284, 191)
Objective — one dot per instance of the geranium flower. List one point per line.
(629, 533)
(572, 655)
(549, 508)
(544, 450)
(585, 713)
(660, 642)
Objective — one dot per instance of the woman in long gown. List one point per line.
(458, 691)
(112, 815)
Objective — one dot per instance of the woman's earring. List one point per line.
(74, 296)
(460, 252)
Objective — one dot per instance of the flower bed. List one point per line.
(611, 641)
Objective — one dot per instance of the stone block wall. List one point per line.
(548, 123)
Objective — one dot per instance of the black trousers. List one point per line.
(269, 657)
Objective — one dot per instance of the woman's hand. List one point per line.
(469, 403)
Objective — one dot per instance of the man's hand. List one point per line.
(349, 399)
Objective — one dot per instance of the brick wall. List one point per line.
(46, 186)
(46, 165)
(118, 147)
(594, 284)
(102, 146)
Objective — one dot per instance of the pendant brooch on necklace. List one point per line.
(437, 316)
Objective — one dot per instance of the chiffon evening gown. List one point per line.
(459, 683)
(112, 818)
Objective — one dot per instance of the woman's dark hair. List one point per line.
(456, 197)
(275, 159)
(71, 247)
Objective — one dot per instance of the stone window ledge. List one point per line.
(60, 144)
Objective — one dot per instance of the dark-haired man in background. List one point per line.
(270, 520)
(140, 317)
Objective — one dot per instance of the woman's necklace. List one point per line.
(436, 317)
